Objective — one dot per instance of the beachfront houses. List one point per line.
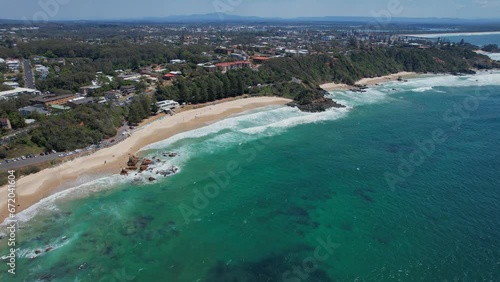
(167, 105)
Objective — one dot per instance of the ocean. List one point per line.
(402, 185)
(476, 38)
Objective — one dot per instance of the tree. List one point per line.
(17, 120)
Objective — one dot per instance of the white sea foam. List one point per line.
(80, 191)
(304, 118)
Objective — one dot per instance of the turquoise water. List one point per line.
(279, 195)
(479, 40)
(476, 39)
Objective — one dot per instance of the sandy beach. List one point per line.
(33, 188)
(368, 81)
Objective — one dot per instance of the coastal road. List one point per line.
(120, 136)
(27, 162)
(29, 78)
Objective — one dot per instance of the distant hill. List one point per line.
(221, 17)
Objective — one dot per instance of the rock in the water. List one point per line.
(318, 105)
(143, 168)
(49, 249)
(151, 179)
(124, 172)
(37, 252)
(132, 161)
(147, 162)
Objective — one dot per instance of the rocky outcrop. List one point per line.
(143, 168)
(146, 162)
(151, 179)
(318, 105)
(133, 161)
(124, 172)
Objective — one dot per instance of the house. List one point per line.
(238, 57)
(89, 90)
(59, 108)
(42, 70)
(11, 84)
(172, 75)
(113, 95)
(13, 64)
(177, 61)
(52, 99)
(224, 67)
(28, 110)
(127, 89)
(167, 105)
(80, 101)
(223, 50)
(130, 77)
(169, 76)
(5, 123)
(259, 59)
(18, 91)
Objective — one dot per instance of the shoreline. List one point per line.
(368, 81)
(33, 188)
(444, 34)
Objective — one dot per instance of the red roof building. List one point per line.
(260, 59)
(224, 67)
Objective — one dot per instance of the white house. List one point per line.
(16, 92)
(13, 64)
(167, 105)
(42, 70)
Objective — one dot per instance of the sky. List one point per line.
(132, 9)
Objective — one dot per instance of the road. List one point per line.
(120, 136)
(29, 78)
(27, 162)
